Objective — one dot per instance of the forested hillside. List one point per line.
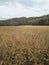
(43, 20)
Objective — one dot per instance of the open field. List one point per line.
(24, 45)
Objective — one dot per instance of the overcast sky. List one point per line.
(26, 8)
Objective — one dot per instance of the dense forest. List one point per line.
(43, 20)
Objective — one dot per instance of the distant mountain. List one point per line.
(43, 20)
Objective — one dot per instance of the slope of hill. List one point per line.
(43, 20)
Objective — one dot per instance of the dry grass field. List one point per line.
(24, 45)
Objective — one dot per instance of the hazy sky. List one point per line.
(19, 8)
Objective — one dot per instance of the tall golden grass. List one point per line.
(24, 45)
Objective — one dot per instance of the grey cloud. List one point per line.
(27, 3)
(23, 7)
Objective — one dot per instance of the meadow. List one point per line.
(24, 45)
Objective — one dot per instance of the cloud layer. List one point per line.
(19, 8)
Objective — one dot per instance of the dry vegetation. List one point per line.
(24, 45)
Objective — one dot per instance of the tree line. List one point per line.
(43, 20)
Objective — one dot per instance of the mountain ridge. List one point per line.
(42, 20)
